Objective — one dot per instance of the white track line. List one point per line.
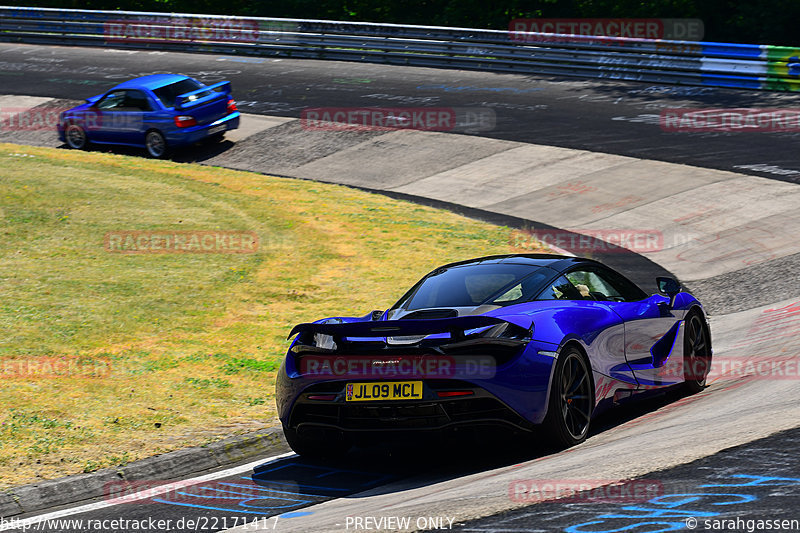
(142, 495)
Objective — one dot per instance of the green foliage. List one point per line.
(250, 365)
(206, 383)
(256, 401)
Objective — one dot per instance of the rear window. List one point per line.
(472, 285)
(168, 93)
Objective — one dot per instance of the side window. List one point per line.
(511, 295)
(526, 289)
(561, 289)
(114, 100)
(594, 286)
(481, 286)
(136, 101)
(629, 290)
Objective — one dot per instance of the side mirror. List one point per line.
(669, 287)
(377, 314)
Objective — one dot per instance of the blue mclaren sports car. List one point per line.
(536, 343)
(157, 112)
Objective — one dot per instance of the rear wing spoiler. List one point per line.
(184, 100)
(400, 328)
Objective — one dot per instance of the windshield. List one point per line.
(168, 93)
(474, 285)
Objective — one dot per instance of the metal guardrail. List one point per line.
(617, 58)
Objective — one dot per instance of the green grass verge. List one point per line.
(183, 347)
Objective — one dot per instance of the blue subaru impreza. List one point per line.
(157, 112)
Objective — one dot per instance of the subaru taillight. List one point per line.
(232, 105)
(184, 121)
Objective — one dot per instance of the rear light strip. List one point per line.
(323, 397)
(452, 393)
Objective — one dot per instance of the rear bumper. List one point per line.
(514, 395)
(429, 414)
(184, 136)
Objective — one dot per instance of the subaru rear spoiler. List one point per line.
(184, 100)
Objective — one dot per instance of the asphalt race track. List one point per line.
(610, 117)
(721, 488)
(560, 153)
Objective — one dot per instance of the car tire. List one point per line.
(155, 144)
(571, 401)
(696, 353)
(75, 137)
(316, 445)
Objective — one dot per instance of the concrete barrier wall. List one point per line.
(750, 66)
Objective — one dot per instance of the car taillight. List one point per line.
(232, 106)
(184, 121)
(453, 393)
(322, 397)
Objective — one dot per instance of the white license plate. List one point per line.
(217, 129)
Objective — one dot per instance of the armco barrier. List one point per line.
(619, 58)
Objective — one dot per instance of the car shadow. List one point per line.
(196, 153)
(202, 151)
(408, 463)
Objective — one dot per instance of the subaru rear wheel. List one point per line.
(156, 144)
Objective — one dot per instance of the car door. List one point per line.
(651, 329)
(103, 123)
(122, 116)
(601, 329)
(132, 117)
